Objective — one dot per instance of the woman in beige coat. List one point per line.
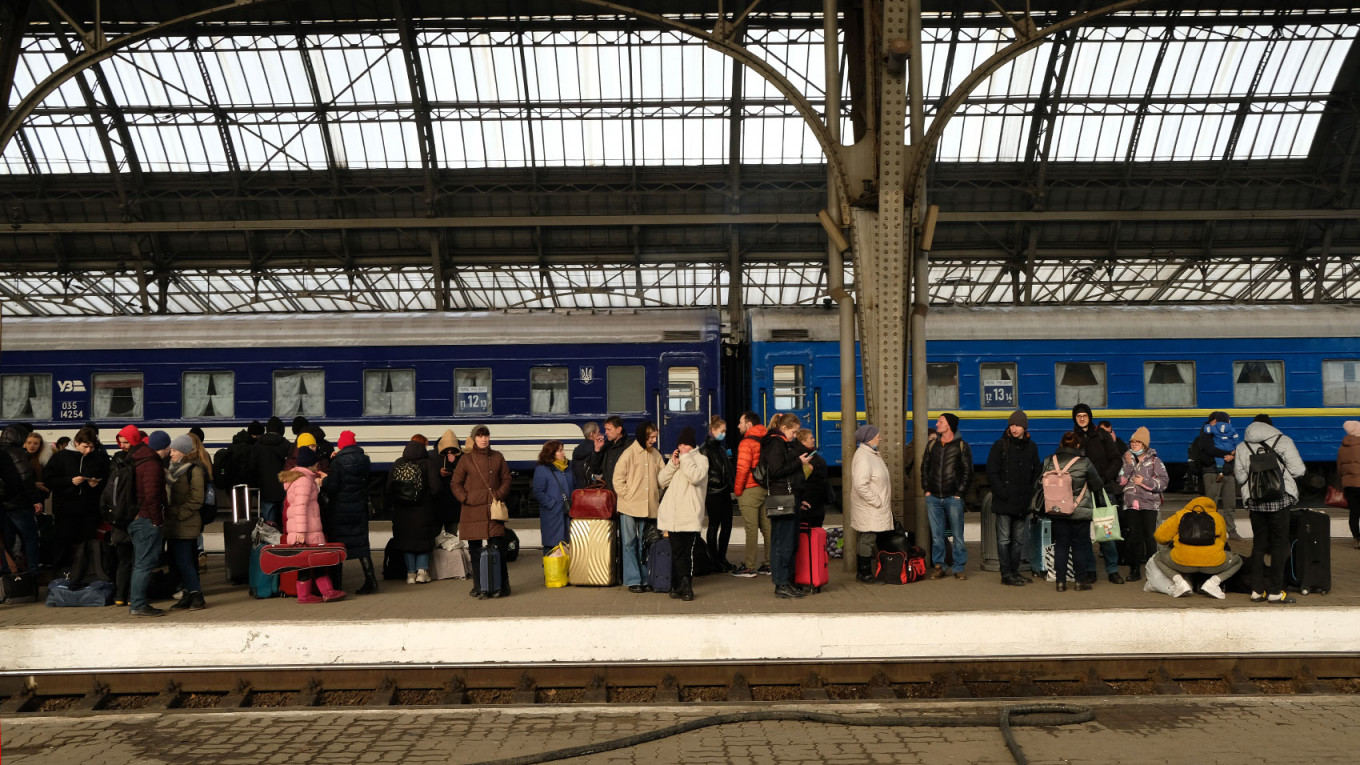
(870, 494)
(681, 514)
(639, 494)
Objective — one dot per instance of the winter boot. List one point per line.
(306, 593)
(370, 581)
(864, 569)
(686, 589)
(198, 603)
(328, 593)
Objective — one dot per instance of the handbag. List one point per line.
(1105, 521)
(780, 505)
(594, 501)
(1336, 498)
(499, 510)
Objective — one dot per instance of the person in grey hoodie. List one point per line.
(1269, 521)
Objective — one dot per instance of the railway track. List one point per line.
(387, 686)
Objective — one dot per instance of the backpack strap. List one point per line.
(1066, 467)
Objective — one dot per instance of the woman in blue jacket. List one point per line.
(552, 487)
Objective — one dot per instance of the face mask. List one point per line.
(721, 435)
(1138, 452)
(871, 446)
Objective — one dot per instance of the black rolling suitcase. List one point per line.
(1309, 567)
(245, 510)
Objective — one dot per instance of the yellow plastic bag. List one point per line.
(556, 564)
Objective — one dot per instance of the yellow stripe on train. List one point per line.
(1123, 414)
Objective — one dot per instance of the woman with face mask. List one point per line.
(1144, 479)
(718, 500)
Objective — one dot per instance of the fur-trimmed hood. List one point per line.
(288, 476)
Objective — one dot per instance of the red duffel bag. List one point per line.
(279, 559)
(594, 501)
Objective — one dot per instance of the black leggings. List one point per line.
(719, 508)
(1352, 494)
(1139, 528)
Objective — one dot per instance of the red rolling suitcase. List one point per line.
(279, 559)
(810, 562)
(594, 501)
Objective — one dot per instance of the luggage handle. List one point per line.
(240, 498)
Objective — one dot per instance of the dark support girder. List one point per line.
(13, 26)
(415, 74)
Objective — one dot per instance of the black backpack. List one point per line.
(408, 482)
(1265, 479)
(222, 469)
(118, 503)
(1196, 529)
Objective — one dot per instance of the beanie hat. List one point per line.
(131, 434)
(159, 440)
(182, 444)
(346, 439)
(1082, 409)
(306, 439)
(865, 433)
(275, 425)
(481, 430)
(255, 429)
(422, 440)
(1018, 417)
(687, 438)
(306, 457)
(197, 431)
(299, 425)
(1142, 435)
(952, 420)
(1352, 427)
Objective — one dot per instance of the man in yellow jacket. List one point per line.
(1197, 534)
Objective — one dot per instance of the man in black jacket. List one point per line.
(580, 456)
(609, 446)
(946, 473)
(1013, 468)
(268, 456)
(1100, 448)
(23, 500)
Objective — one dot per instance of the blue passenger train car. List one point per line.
(1166, 368)
(530, 376)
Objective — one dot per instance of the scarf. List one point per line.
(560, 465)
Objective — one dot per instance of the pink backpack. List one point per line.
(1057, 483)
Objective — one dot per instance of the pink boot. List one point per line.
(328, 592)
(305, 593)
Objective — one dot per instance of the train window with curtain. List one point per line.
(208, 394)
(299, 392)
(998, 386)
(26, 397)
(472, 391)
(1168, 384)
(389, 391)
(682, 389)
(1080, 382)
(789, 390)
(117, 395)
(1258, 383)
(627, 389)
(1341, 383)
(548, 390)
(942, 386)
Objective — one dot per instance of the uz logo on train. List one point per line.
(69, 406)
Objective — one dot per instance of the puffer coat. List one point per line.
(1013, 467)
(686, 485)
(480, 476)
(870, 492)
(947, 469)
(1084, 475)
(1348, 462)
(344, 518)
(1150, 467)
(303, 522)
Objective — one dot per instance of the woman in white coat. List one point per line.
(870, 495)
(681, 514)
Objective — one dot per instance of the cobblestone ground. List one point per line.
(1321, 729)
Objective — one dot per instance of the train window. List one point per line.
(789, 390)
(1258, 383)
(627, 389)
(998, 386)
(389, 391)
(208, 394)
(942, 381)
(1080, 382)
(299, 392)
(117, 395)
(682, 389)
(26, 397)
(1340, 383)
(548, 390)
(1168, 383)
(472, 391)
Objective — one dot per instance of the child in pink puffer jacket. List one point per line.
(303, 525)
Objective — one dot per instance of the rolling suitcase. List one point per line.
(659, 565)
(595, 552)
(262, 585)
(1309, 567)
(245, 501)
(489, 570)
(810, 565)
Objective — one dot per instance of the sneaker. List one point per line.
(183, 604)
(1283, 597)
(147, 610)
(120, 602)
(178, 595)
(1212, 588)
(422, 576)
(764, 570)
(1180, 587)
(1258, 597)
(636, 589)
(743, 572)
(411, 577)
(787, 592)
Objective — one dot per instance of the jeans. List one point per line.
(271, 512)
(634, 560)
(1270, 534)
(783, 546)
(24, 523)
(1012, 533)
(719, 509)
(146, 545)
(185, 554)
(1109, 551)
(752, 504)
(938, 507)
(417, 562)
(1072, 537)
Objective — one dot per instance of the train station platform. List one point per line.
(731, 620)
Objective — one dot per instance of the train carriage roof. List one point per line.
(1081, 322)
(358, 329)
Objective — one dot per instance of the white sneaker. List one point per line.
(1213, 587)
(422, 576)
(410, 578)
(1180, 587)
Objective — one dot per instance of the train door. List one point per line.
(684, 399)
(788, 390)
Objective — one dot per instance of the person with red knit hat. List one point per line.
(344, 517)
(139, 544)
